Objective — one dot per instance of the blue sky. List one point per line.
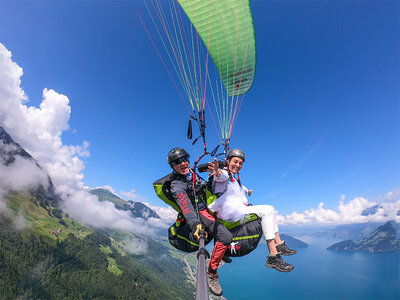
(321, 120)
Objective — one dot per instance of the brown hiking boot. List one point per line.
(213, 284)
(284, 250)
(277, 262)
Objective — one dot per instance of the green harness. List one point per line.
(162, 189)
(246, 233)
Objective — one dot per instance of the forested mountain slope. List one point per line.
(46, 254)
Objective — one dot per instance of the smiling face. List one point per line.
(235, 164)
(181, 166)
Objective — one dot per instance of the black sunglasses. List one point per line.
(180, 160)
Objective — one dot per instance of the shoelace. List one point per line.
(284, 247)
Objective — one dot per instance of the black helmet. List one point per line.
(176, 153)
(236, 153)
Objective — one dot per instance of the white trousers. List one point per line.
(267, 214)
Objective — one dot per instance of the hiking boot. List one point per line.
(213, 284)
(284, 250)
(227, 259)
(277, 262)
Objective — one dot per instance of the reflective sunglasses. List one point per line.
(180, 160)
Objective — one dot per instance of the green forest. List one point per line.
(76, 265)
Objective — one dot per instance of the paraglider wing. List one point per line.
(226, 28)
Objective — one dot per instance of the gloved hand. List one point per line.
(199, 228)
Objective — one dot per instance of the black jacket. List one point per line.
(182, 190)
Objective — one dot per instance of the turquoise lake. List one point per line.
(318, 274)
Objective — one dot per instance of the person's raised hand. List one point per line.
(214, 169)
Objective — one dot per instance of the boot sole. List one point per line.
(279, 269)
(287, 254)
(215, 294)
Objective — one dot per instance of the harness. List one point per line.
(162, 187)
(246, 233)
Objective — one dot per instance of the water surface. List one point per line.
(318, 274)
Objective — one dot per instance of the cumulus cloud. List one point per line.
(350, 212)
(85, 206)
(18, 174)
(136, 246)
(22, 174)
(131, 195)
(38, 130)
(166, 214)
(110, 189)
(390, 196)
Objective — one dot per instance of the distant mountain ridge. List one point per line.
(136, 209)
(9, 151)
(354, 231)
(8, 154)
(383, 239)
(292, 242)
(371, 210)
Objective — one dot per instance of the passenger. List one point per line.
(182, 191)
(232, 205)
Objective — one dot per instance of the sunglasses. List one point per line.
(180, 160)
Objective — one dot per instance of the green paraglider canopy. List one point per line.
(226, 28)
(208, 48)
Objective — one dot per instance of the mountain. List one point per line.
(355, 231)
(10, 152)
(136, 209)
(371, 210)
(292, 242)
(383, 239)
(48, 260)
(46, 254)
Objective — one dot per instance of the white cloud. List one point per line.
(390, 196)
(22, 174)
(131, 195)
(136, 246)
(3, 193)
(19, 221)
(166, 214)
(38, 130)
(110, 189)
(87, 208)
(348, 213)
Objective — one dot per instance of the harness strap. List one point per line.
(232, 178)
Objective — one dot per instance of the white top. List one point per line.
(229, 206)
